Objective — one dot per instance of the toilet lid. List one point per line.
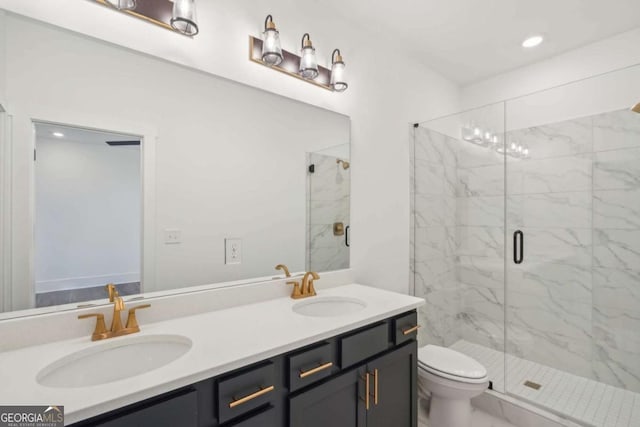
(450, 362)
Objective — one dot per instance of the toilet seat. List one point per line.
(450, 364)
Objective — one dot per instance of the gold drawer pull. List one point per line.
(375, 386)
(305, 374)
(251, 396)
(411, 330)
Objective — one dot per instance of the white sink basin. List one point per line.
(329, 306)
(113, 360)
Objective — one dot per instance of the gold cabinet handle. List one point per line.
(252, 396)
(367, 392)
(411, 330)
(375, 386)
(305, 374)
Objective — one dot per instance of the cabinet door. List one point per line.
(336, 403)
(394, 388)
(178, 411)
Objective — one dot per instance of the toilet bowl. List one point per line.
(452, 379)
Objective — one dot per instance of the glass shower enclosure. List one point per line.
(526, 244)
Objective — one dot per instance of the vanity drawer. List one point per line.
(263, 419)
(404, 328)
(364, 344)
(310, 366)
(245, 391)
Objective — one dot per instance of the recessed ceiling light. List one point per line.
(533, 41)
(58, 134)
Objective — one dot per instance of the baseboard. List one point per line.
(518, 412)
(85, 282)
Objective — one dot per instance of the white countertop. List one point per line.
(223, 340)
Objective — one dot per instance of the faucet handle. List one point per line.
(296, 289)
(132, 321)
(100, 331)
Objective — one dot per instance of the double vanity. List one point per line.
(346, 357)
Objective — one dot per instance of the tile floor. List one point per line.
(478, 419)
(581, 399)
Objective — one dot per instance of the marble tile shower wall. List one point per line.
(329, 190)
(574, 304)
(434, 226)
(576, 299)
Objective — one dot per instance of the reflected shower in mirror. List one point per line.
(329, 179)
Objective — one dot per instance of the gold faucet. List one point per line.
(307, 289)
(283, 268)
(100, 332)
(307, 283)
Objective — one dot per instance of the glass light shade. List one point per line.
(271, 49)
(184, 19)
(308, 63)
(122, 4)
(337, 77)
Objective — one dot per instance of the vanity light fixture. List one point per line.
(308, 62)
(183, 18)
(533, 41)
(122, 4)
(338, 82)
(271, 49)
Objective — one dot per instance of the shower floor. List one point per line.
(571, 396)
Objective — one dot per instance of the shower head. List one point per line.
(636, 109)
(345, 164)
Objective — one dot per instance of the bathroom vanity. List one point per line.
(347, 357)
(365, 377)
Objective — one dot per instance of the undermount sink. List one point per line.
(329, 306)
(114, 360)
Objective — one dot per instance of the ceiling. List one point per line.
(46, 130)
(470, 40)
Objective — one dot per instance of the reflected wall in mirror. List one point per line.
(218, 160)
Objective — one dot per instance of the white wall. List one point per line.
(386, 92)
(602, 57)
(88, 214)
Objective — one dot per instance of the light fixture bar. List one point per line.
(290, 65)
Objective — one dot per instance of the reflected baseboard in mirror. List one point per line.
(205, 172)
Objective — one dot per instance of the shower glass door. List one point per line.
(573, 249)
(458, 233)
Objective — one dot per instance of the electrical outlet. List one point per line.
(232, 251)
(172, 236)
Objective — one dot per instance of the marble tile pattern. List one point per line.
(434, 235)
(328, 202)
(574, 304)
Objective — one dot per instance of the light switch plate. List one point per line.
(232, 251)
(172, 236)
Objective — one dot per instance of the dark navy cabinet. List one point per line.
(364, 378)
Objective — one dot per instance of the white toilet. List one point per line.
(453, 379)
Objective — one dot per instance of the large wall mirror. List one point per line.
(123, 168)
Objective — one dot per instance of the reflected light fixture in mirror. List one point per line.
(338, 82)
(183, 18)
(308, 61)
(271, 49)
(122, 4)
